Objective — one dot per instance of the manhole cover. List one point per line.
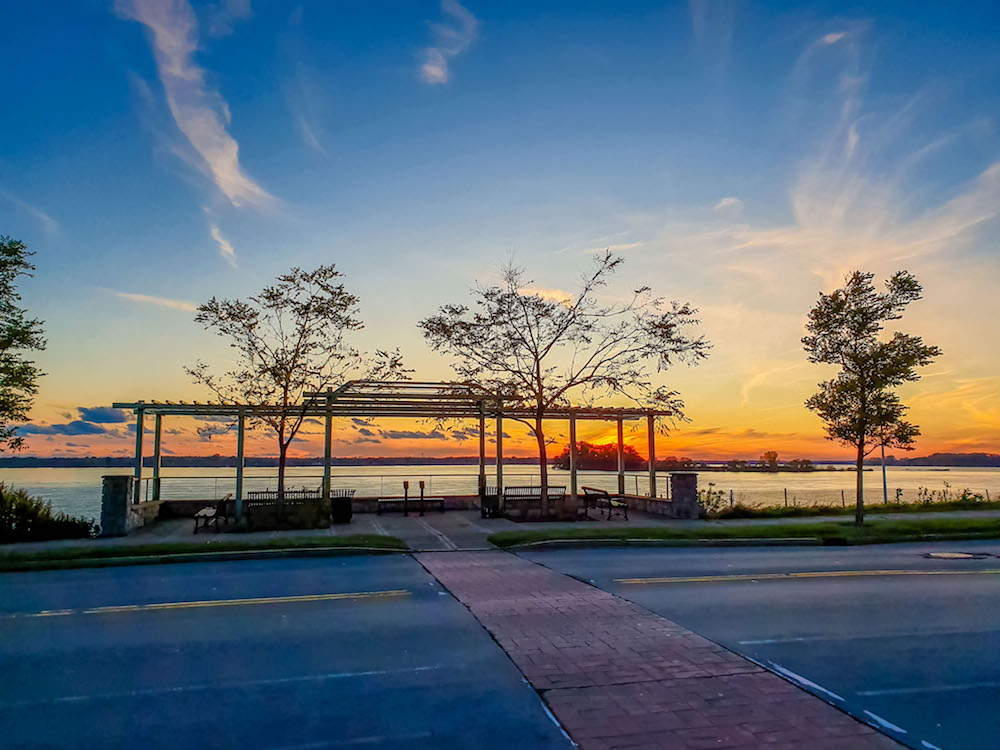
(958, 555)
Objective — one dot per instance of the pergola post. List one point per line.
(572, 457)
(240, 431)
(140, 413)
(621, 458)
(482, 454)
(500, 458)
(328, 449)
(156, 457)
(651, 429)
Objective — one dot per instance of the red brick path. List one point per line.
(618, 676)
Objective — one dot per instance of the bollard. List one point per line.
(786, 497)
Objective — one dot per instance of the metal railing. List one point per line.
(383, 485)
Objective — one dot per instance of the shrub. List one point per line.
(30, 519)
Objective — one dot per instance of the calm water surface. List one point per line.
(78, 491)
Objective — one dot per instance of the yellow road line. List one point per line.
(125, 608)
(808, 574)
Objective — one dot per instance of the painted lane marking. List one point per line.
(930, 689)
(372, 740)
(802, 681)
(884, 724)
(126, 608)
(808, 574)
(213, 686)
(864, 636)
(929, 746)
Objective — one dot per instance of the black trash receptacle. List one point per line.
(340, 510)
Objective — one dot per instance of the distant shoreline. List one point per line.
(945, 460)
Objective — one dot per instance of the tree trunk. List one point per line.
(859, 508)
(282, 458)
(543, 467)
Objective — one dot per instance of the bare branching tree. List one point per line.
(544, 349)
(859, 407)
(290, 339)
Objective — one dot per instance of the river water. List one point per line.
(78, 491)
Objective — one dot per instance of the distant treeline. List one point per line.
(59, 462)
(977, 460)
(592, 457)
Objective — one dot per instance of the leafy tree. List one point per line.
(290, 339)
(769, 460)
(544, 348)
(860, 407)
(600, 457)
(19, 335)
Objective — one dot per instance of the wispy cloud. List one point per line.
(222, 16)
(729, 207)
(47, 222)
(450, 39)
(148, 299)
(225, 247)
(554, 295)
(198, 109)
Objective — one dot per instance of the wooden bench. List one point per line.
(210, 515)
(405, 502)
(598, 498)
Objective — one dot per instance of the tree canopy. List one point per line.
(860, 406)
(290, 339)
(543, 348)
(19, 335)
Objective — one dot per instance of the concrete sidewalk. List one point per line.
(448, 531)
(617, 676)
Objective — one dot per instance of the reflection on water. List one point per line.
(78, 491)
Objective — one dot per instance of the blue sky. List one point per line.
(741, 155)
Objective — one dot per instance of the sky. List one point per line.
(741, 156)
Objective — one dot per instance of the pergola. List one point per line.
(392, 399)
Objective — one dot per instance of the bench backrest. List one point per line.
(532, 493)
(594, 492)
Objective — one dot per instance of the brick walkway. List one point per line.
(618, 676)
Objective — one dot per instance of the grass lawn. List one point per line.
(93, 555)
(828, 532)
(801, 511)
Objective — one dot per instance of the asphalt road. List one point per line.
(162, 656)
(917, 652)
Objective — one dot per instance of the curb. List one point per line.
(759, 542)
(17, 566)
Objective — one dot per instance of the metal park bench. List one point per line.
(523, 499)
(265, 507)
(389, 504)
(597, 498)
(210, 515)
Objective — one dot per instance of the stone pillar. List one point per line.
(116, 496)
(684, 494)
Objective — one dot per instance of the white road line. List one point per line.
(929, 689)
(884, 723)
(372, 740)
(907, 634)
(929, 746)
(211, 686)
(802, 681)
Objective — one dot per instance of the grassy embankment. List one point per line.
(804, 511)
(93, 555)
(828, 532)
